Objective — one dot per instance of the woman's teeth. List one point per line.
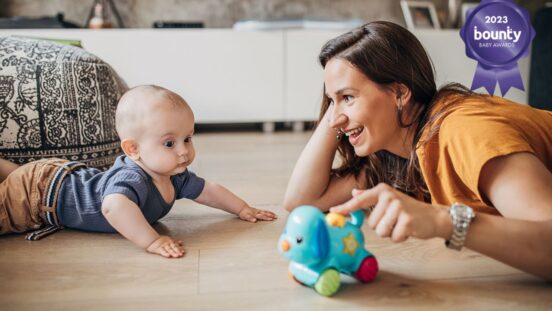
(354, 132)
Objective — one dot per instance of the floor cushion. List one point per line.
(57, 100)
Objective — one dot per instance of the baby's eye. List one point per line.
(169, 143)
(299, 239)
(188, 139)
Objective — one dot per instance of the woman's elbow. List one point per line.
(292, 203)
(290, 200)
(289, 205)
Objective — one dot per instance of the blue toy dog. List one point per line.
(321, 247)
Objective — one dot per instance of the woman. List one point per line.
(417, 150)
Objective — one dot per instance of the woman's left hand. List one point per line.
(397, 215)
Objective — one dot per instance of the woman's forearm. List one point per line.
(311, 175)
(519, 186)
(523, 244)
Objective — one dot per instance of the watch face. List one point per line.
(463, 211)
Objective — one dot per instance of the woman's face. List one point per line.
(364, 111)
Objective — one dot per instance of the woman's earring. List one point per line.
(400, 105)
(339, 134)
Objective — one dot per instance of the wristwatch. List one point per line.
(462, 216)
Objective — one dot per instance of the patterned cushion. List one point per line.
(57, 101)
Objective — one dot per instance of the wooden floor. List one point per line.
(234, 265)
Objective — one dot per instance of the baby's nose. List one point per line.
(182, 150)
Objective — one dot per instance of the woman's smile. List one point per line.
(354, 134)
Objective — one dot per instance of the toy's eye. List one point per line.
(299, 239)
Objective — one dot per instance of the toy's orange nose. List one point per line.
(285, 245)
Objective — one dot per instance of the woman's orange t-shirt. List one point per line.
(475, 132)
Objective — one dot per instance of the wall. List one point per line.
(223, 13)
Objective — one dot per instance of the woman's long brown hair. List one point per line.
(388, 53)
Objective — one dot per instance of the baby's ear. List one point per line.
(130, 148)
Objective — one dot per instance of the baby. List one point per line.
(156, 127)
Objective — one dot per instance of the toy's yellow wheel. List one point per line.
(328, 283)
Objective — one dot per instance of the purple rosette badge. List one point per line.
(497, 33)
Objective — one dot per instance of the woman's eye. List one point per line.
(330, 101)
(299, 239)
(169, 144)
(347, 98)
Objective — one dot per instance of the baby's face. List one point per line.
(166, 147)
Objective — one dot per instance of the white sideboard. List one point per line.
(245, 76)
(226, 76)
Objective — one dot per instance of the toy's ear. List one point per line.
(321, 240)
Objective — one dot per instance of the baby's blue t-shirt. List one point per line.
(82, 192)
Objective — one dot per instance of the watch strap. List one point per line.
(462, 217)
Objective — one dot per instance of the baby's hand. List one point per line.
(252, 214)
(167, 247)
